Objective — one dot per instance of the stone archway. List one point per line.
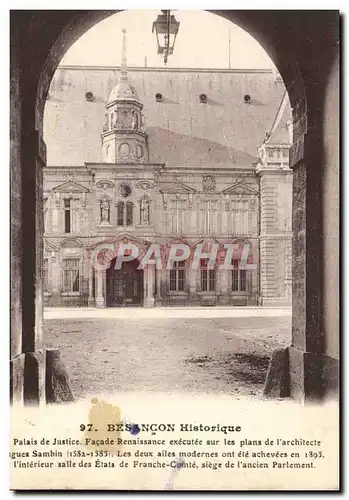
(303, 45)
(124, 287)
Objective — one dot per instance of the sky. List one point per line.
(202, 42)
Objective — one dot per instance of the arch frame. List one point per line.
(305, 66)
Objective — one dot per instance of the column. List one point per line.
(158, 275)
(149, 287)
(145, 287)
(91, 301)
(27, 365)
(223, 280)
(56, 277)
(192, 282)
(254, 273)
(100, 302)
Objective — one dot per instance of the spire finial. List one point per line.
(123, 56)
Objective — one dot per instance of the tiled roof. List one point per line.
(181, 130)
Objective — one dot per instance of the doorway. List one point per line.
(124, 287)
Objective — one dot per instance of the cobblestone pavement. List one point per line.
(217, 355)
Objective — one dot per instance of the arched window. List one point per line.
(125, 213)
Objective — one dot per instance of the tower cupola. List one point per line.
(123, 138)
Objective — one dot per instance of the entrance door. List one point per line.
(125, 285)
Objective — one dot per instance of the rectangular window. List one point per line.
(120, 213)
(67, 216)
(173, 280)
(45, 276)
(177, 277)
(238, 282)
(208, 277)
(208, 222)
(129, 213)
(125, 213)
(178, 212)
(240, 215)
(71, 275)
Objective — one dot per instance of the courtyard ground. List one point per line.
(220, 350)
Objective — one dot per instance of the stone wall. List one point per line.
(235, 218)
(275, 225)
(331, 198)
(16, 206)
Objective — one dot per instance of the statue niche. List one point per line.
(145, 210)
(134, 120)
(115, 120)
(124, 120)
(105, 212)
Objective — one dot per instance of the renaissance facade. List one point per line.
(144, 156)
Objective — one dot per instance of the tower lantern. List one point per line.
(123, 138)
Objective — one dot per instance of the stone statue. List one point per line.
(145, 211)
(115, 121)
(105, 210)
(134, 120)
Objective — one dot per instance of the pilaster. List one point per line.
(100, 298)
(91, 300)
(223, 291)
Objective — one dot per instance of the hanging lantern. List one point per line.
(166, 28)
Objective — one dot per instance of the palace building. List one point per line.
(150, 155)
